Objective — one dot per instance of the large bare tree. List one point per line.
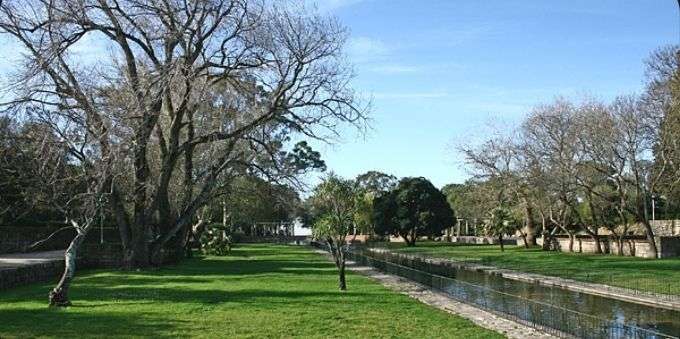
(193, 92)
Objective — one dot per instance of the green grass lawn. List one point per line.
(259, 291)
(653, 275)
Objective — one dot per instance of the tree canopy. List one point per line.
(413, 208)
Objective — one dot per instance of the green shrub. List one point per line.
(216, 240)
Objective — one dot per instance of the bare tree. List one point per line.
(637, 135)
(550, 133)
(662, 101)
(74, 177)
(191, 91)
(500, 159)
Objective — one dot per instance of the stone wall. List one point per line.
(110, 255)
(482, 240)
(665, 227)
(632, 245)
(20, 276)
(16, 239)
(465, 239)
(92, 255)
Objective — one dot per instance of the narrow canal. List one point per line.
(570, 313)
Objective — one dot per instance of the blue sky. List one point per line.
(443, 72)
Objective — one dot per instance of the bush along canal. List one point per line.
(553, 310)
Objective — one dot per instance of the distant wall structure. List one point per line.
(16, 239)
(20, 276)
(466, 239)
(668, 246)
(665, 227)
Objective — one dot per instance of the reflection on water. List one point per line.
(532, 302)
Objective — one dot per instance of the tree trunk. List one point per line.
(620, 242)
(225, 213)
(596, 222)
(649, 233)
(58, 297)
(530, 239)
(138, 254)
(410, 240)
(546, 240)
(525, 239)
(596, 240)
(571, 242)
(139, 251)
(546, 235)
(342, 283)
(500, 241)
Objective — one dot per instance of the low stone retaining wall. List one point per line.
(20, 276)
(90, 256)
(464, 239)
(482, 240)
(16, 239)
(245, 239)
(637, 246)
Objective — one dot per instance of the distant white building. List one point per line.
(298, 230)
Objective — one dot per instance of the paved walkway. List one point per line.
(17, 260)
(638, 297)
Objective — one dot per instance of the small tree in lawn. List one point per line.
(414, 208)
(335, 203)
(501, 222)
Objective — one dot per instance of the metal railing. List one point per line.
(665, 289)
(548, 318)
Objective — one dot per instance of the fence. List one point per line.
(661, 288)
(545, 317)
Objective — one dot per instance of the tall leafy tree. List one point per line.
(414, 208)
(370, 185)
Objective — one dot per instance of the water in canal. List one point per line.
(574, 313)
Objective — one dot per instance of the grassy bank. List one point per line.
(259, 291)
(652, 275)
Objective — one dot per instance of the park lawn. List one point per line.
(259, 291)
(651, 275)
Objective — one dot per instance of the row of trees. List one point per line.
(181, 99)
(375, 204)
(575, 167)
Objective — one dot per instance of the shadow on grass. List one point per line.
(118, 303)
(25, 323)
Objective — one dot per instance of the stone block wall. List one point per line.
(16, 239)
(632, 246)
(15, 277)
(108, 255)
(482, 240)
